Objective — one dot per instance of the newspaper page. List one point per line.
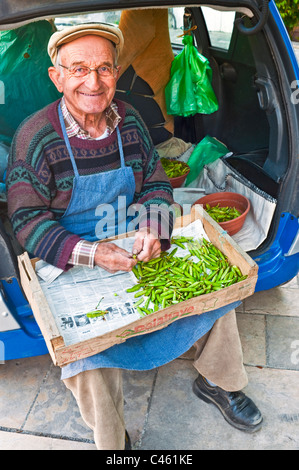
(74, 296)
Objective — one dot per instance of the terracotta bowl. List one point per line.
(227, 199)
(180, 180)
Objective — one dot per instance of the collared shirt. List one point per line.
(84, 251)
(74, 130)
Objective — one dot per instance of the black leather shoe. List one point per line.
(236, 408)
(127, 441)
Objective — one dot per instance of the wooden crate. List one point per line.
(62, 354)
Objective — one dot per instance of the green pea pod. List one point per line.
(139, 294)
(141, 313)
(148, 268)
(237, 270)
(134, 288)
(153, 295)
(147, 302)
(139, 302)
(171, 255)
(199, 292)
(96, 313)
(135, 271)
(166, 294)
(179, 244)
(153, 261)
(225, 273)
(139, 269)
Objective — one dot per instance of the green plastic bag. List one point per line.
(26, 86)
(207, 151)
(189, 90)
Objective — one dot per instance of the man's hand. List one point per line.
(112, 258)
(146, 245)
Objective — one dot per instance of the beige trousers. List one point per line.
(99, 394)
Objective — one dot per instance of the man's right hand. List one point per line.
(112, 258)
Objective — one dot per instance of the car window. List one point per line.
(175, 21)
(102, 17)
(220, 25)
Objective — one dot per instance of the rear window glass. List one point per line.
(175, 21)
(220, 25)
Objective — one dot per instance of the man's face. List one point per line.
(91, 94)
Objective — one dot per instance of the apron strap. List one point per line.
(120, 147)
(67, 142)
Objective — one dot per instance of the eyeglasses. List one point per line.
(80, 71)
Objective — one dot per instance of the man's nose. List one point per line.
(93, 78)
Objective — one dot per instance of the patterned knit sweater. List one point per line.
(40, 177)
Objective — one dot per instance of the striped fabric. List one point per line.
(40, 179)
(83, 254)
(73, 128)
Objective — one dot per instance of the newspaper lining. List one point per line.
(73, 294)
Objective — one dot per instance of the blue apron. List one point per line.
(143, 352)
(87, 215)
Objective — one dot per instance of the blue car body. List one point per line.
(277, 258)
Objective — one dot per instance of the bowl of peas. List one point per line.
(228, 209)
(176, 170)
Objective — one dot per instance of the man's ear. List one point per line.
(55, 76)
(118, 69)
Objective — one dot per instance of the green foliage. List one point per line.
(289, 10)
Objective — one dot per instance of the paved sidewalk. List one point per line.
(162, 413)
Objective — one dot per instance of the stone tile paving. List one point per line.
(269, 327)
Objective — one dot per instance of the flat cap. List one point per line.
(107, 31)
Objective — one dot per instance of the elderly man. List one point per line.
(67, 160)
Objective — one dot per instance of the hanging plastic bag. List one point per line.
(207, 151)
(24, 81)
(189, 90)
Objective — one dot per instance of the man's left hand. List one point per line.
(146, 245)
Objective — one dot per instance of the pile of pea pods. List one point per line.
(170, 279)
(222, 214)
(174, 168)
